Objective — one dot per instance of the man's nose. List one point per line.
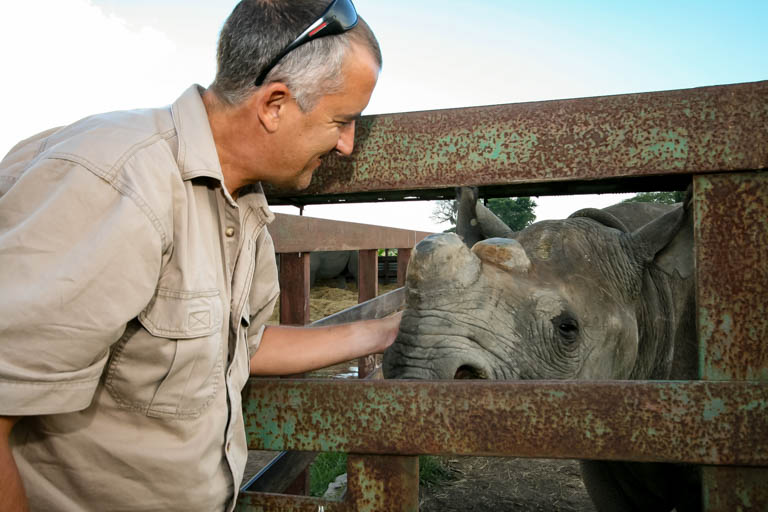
(346, 142)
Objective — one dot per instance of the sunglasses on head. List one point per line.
(339, 17)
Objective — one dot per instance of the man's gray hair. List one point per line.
(257, 30)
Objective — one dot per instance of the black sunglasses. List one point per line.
(339, 17)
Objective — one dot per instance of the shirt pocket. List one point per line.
(169, 361)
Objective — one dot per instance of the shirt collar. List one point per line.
(197, 156)
(197, 152)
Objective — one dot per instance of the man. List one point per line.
(137, 273)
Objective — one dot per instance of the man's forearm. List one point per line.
(290, 350)
(12, 496)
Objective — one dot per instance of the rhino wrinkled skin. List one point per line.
(604, 294)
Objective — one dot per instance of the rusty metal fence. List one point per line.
(715, 138)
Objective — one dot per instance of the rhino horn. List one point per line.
(440, 258)
(490, 225)
(505, 253)
(475, 222)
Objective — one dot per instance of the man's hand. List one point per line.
(12, 497)
(289, 350)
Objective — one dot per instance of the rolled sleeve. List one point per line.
(78, 259)
(265, 289)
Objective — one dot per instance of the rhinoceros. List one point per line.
(603, 294)
(332, 265)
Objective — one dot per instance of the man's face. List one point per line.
(330, 125)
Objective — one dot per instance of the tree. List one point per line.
(445, 211)
(515, 212)
(657, 197)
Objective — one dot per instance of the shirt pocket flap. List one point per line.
(183, 314)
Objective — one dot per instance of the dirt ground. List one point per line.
(494, 484)
(481, 484)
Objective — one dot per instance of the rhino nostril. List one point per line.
(469, 372)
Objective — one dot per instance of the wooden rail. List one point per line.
(295, 238)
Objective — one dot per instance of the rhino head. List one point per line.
(604, 294)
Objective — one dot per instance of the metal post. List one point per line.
(383, 483)
(731, 236)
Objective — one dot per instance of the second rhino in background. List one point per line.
(333, 265)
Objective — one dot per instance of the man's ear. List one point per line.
(269, 104)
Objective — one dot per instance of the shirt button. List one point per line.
(229, 445)
(230, 232)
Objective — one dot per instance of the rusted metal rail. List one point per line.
(731, 235)
(629, 142)
(699, 422)
(714, 137)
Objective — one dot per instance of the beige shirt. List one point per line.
(133, 291)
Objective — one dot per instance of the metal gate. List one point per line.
(715, 138)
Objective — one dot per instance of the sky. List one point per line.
(62, 60)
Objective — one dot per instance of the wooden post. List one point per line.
(294, 288)
(368, 288)
(294, 310)
(403, 257)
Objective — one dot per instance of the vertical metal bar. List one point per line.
(368, 288)
(403, 257)
(731, 234)
(294, 288)
(383, 483)
(730, 488)
(385, 269)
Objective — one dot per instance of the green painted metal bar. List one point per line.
(697, 422)
(375, 483)
(383, 483)
(731, 232)
(266, 502)
(550, 147)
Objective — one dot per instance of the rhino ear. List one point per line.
(475, 222)
(668, 240)
(601, 216)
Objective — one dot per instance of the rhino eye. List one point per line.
(567, 327)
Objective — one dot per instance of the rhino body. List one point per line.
(332, 265)
(604, 294)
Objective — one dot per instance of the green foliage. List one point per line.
(432, 471)
(325, 469)
(657, 197)
(515, 212)
(329, 465)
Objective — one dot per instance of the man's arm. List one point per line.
(12, 497)
(289, 350)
